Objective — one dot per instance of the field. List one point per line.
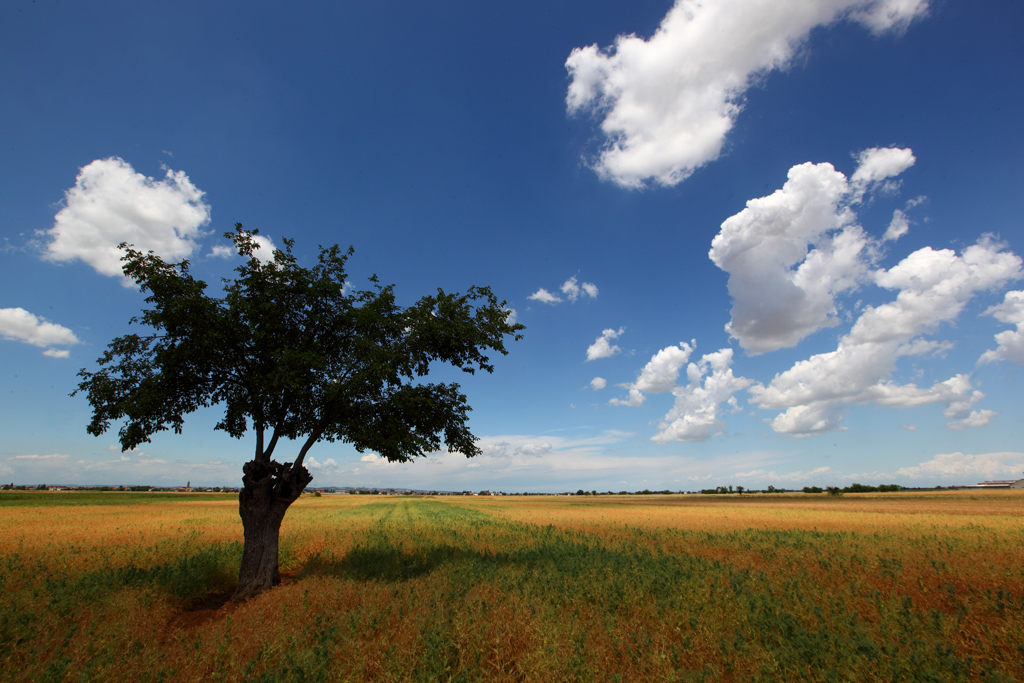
(887, 587)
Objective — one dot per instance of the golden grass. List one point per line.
(861, 587)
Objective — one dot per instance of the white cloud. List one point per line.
(17, 324)
(112, 203)
(264, 248)
(898, 227)
(658, 376)
(975, 418)
(809, 476)
(696, 413)
(893, 15)
(808, 419)
(598, 383)
(602, 347)
(661, 372)
(788, 255)
(513, 447)
(666, 104)
(964, 468)
(571, 288)
(33, 457)
(881, 163)
(264, 251)
(129, 468)
(1011, 342)
(553, 462)
(636, 398)
(545, 296)
(934, 286)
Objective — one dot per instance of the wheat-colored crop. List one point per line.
(134, 587)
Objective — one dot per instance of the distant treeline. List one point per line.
(832, 490)
(46, 487)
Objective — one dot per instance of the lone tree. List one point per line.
(296, 354)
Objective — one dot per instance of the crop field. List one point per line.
(862, 587)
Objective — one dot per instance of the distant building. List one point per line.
(999, 484)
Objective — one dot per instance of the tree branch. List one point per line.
(313, 437)
(270, 448)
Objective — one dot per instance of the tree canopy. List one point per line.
(294, 354)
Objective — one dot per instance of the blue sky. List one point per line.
(752, 243)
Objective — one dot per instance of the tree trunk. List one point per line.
(268, 488)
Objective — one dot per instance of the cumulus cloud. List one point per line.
(17, 324)
(328, 464)
(545, 296)
(112, 203)
(934, 286)
(1011, 342)
(880, 163)
(602, 346)
(898, 226)
(696, 415)
(964, 467)
(667, 103)
(572, 288)
(598, 383)
(658, 376)
(788, 255)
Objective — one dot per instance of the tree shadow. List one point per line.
(390, 564)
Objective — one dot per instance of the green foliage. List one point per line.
(199, 572)
(295, 352)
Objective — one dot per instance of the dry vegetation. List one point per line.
(133, 587)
